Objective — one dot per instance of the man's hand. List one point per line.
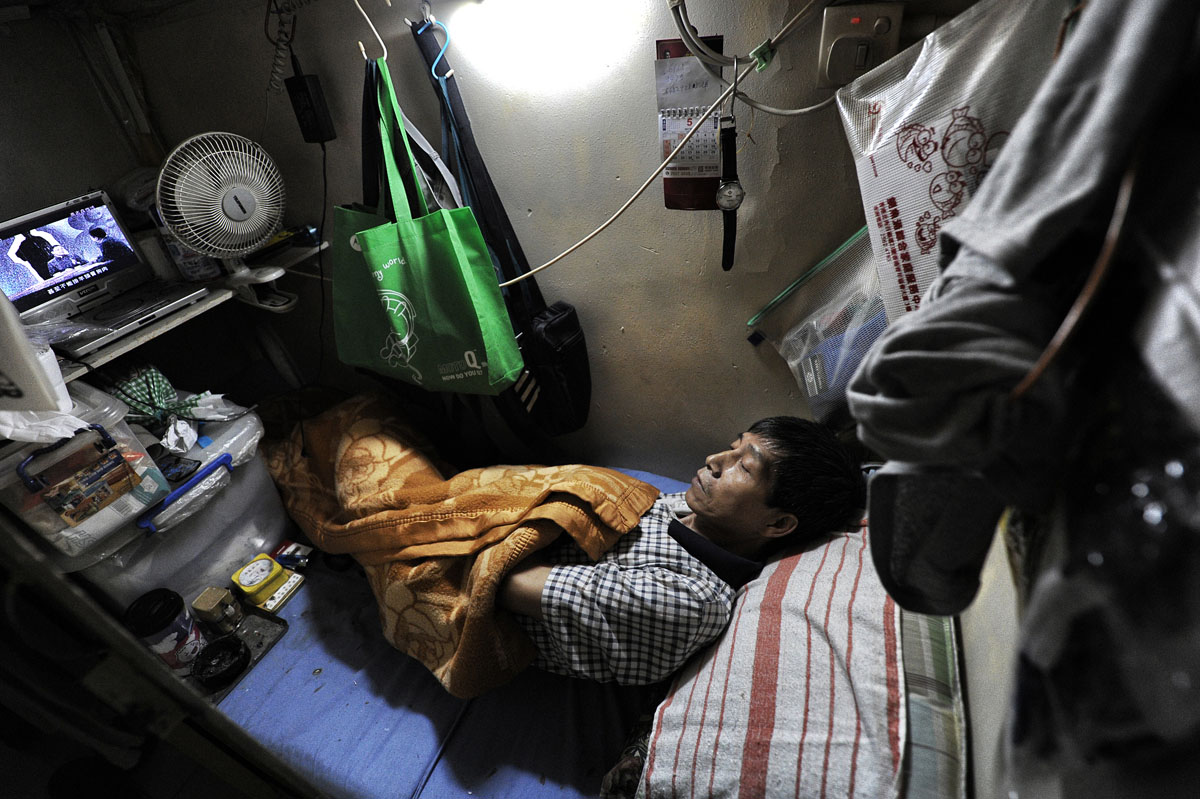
(521, 591)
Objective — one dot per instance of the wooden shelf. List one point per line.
(72, 370)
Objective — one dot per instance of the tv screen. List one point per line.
(62, 249)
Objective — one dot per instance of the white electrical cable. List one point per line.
(638, 193)
(695, 43)
(708, 58)
(676, 6)
(779, 112)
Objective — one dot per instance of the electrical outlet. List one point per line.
(855, 39)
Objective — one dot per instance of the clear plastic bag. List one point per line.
(59, 331)
(238, 438)
(824, 330)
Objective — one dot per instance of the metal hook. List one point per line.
(378, 38)
(442, 52)
(732, 97)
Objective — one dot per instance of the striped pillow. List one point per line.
(801, 696)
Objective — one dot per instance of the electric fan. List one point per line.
(221, 195)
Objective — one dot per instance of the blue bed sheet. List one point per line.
(362, 720)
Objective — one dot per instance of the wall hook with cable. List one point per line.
(442, 52)
(378, 38)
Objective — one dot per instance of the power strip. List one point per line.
(282, 594)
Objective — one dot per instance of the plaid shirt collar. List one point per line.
(735, 570)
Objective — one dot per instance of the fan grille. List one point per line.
(221, 195)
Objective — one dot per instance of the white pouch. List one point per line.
(925, 127)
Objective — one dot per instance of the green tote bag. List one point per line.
(418, 298)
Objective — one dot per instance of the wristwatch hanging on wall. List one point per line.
(730, 193)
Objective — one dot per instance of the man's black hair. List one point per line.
(98, 233)
(813, 476)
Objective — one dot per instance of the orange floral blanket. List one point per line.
(435, 549)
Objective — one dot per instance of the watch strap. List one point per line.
(728, 154)
(727, 240)
(728, 173)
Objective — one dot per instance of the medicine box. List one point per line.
(81, 494)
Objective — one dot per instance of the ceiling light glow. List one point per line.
(545, 47)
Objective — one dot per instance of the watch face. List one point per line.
(255, 573)
(730, 196)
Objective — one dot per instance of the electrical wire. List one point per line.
(682, 143)
(696, 44)
(705, 53)
(282, 44)
(709, 58)
(285, 34)
(267, 20)
(784, 32)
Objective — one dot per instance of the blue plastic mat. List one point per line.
(362, 720)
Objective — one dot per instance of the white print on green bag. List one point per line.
(394, 262)
(469, 366)
(378, 273)
(398, 350)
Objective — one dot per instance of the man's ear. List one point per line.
(781, 524)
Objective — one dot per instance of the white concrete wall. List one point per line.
(673, 373)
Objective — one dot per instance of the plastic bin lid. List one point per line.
(87, 403)
(94, 406)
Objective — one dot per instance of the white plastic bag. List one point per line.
(925, 127)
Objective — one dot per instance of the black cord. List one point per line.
(272, 6)
(321, 261)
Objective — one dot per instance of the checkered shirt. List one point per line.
(634, 616)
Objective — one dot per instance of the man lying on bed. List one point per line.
(667, 588)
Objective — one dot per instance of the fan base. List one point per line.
(266, 297)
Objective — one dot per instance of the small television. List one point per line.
(59, 261)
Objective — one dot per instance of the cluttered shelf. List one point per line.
(260, 272)
(72, 369)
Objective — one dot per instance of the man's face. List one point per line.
(729, 495)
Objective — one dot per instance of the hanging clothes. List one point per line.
(935, 388)
(1104, 446)
(554, 395)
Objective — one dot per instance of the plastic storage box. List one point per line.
(82, 495)
(221, 447)
(222, 530)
